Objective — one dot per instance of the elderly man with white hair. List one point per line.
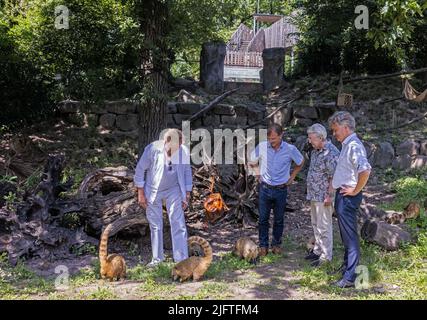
(164, 174)
(350, 177)
(320, 193)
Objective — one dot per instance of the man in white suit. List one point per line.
(164, 173)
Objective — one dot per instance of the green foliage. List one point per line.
(330, 45)
(409, 189)
(18, 282)
(10, 199)
(96, 57)
(9, 179)
(93, 57)
(87, 248)
(395, 24)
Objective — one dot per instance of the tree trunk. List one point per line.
(154, 23)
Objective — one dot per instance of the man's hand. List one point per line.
(142, 201)
(187, 201)
(328, 201)
(348, 191)
(290, 181)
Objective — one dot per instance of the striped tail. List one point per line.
(103, 245)
(207, 249)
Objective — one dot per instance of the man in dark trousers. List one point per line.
(271, 160)
(350, 177)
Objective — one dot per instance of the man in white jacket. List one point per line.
(164, 173)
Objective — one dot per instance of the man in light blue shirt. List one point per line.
(164, 174)
(272, 161)
(350, 177)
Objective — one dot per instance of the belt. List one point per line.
(280, 186)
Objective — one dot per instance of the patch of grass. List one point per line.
(404, 269)
(86, 275)
(101, 293)
(160, 272)
(8, 179)
(18, 282)
(227, 262)
(401, 274)
(155, 290)
(209, 290)
(409, 189)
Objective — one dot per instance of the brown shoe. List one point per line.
(263, 252)
(276, 250)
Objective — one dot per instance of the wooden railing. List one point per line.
(243, 33)
(243, 59)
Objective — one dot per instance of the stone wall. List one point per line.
(410, 154)
(301, 115)
(407, 155)
(121, 115)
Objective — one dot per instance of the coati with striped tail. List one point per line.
(246, 249)
(193, 267)
(411, 211)
(113, 266)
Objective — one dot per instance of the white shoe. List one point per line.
(153, 264)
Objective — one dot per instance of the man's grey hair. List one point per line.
(318, 130)
(343, 118)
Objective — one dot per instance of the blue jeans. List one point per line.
(346, 208)
(271, 199)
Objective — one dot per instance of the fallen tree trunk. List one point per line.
(35, 228)
(389, 237)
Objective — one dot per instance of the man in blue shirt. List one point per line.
(271, 160)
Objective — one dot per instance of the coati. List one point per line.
(246, 249)
(113, 266)
(193, 267)
(310, 244)
(411, 211)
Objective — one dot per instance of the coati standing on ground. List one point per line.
(113, 266)
(411, 211)
(194, 267)
(246, 249)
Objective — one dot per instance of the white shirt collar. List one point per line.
(347, 140)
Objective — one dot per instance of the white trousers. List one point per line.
(173, 200)
(321, 220)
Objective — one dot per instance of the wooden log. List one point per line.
(390, 237)
(212, 104)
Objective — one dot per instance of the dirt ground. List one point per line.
(275, 279)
